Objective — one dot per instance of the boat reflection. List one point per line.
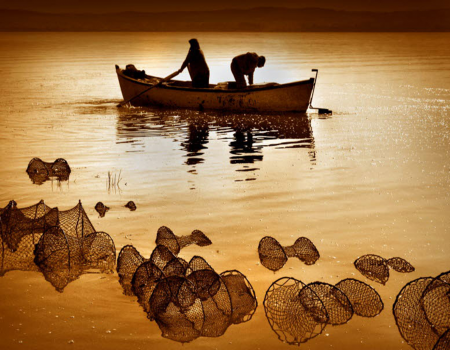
(247, 135)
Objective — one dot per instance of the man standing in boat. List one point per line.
(245, 65)
(196, 63)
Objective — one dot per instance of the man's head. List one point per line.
(194, 44)
(261, 61)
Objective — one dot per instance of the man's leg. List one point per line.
(238, 76)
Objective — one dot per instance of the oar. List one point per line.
(151, 87)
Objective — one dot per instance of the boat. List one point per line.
(269, 97)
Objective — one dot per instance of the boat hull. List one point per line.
(291, 97)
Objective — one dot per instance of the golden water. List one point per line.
(373, 178)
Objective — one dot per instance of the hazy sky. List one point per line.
(186, 5)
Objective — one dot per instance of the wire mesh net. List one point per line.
(444, 342)
(162, 264)
(376, 268)
(17, 223)
(187, 300)
(99, 252)
(400, 265)
(63, 258)
(59, 257)
(144, 282)
(336, 303)
(167, 238)
(40, 171)
(127, 263)
(243, 297)
(20, 259)
(75, 222)
(215, 300)
(297, 312)
(435, 302)
(364, 299)
(293, 318)
(274, 256)
(410, 316)
(197, 263)
(178, 312)
(373, 267)
(60, 244)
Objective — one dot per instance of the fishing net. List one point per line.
(127, 263)
(242, 295)
(59, 257)
(187, 300)
(215, 300)
(444, 342)
(297, 312)
(176, 309)
(60, 244)
(376, 268)
(274, 256)
(364, 299)
(410, 316)
(62, 258)
(435, 302)
(336, 303)
(294, 319)
(75, 222)
(167, 238)
(101, 209)
(198, 263)
(373, 267)
(271, 254)
(20, 259)
(99, 252)
(144, 282)
(400, 265)
(15, 223)
(40, 171)
(162, 263)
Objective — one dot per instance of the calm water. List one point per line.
(373, 178)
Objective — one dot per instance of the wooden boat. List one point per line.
(271, 97)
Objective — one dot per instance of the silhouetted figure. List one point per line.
(245, 65)
(196, 63)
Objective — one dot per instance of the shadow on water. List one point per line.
(246, 134)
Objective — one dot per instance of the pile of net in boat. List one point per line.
(274, 256)
(298, 312)
(60, 244)
(376, 268)
(40, 171)
(187, 300)
(422, 312)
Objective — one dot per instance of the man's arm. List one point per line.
(250, 78)
(186, 61)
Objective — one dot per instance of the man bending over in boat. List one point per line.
(245, 65)
(196, 63)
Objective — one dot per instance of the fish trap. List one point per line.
(376, 268)
(274, 256)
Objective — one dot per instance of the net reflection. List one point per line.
(246, 135)
(40, 171)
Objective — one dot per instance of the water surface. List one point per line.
(373, 178)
